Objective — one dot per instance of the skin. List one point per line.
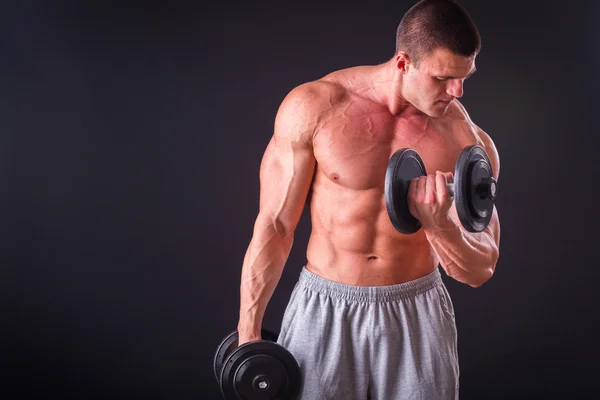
(331, 144)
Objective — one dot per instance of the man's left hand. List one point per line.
(429, 200)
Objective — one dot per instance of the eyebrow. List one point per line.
(455, 77)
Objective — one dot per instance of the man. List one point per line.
(370, 316)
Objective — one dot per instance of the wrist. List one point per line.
(248, 329)
(446, 226)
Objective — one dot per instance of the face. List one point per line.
(436, 82)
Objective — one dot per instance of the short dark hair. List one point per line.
(433, 24)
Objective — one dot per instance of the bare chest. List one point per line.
(354, 150)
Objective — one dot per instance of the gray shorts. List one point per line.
(385, 342)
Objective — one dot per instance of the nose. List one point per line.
(455, 88)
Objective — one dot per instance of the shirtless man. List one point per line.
(370, 316)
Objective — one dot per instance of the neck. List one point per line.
(386, 87)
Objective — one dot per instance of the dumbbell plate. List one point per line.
(473, 168)
(404, 166)
(229, 344)
(261, 370)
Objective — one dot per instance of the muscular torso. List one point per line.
(352, 239)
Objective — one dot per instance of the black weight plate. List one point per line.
(225, 348)
(261, 377)
(404, 166)
(229, 344)
(473, 168)
(483, 205)
(256, 363)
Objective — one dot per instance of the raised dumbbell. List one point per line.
(474, 188)
(258, 370)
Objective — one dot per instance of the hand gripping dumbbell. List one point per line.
(474, 188)
(257, 370)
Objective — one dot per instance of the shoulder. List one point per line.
(304, 107)
(476, 134)
(320, 96)
(314, 96)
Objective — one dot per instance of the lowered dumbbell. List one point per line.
(474, 188)
(258, 370)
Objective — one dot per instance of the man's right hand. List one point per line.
(245, 336)
(246, 339)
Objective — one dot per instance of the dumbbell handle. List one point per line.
(486, 189)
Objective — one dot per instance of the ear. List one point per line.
(402, 62)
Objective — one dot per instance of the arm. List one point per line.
(285, 176)
(466, 256)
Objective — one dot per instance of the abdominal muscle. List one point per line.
(353, 241)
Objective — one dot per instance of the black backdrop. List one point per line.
(131, 138)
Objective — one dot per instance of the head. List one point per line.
(436, 46)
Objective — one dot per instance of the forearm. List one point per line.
(261, 271)
(465, 256)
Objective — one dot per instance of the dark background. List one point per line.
(131, 137)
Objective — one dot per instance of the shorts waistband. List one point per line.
(371, 294)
